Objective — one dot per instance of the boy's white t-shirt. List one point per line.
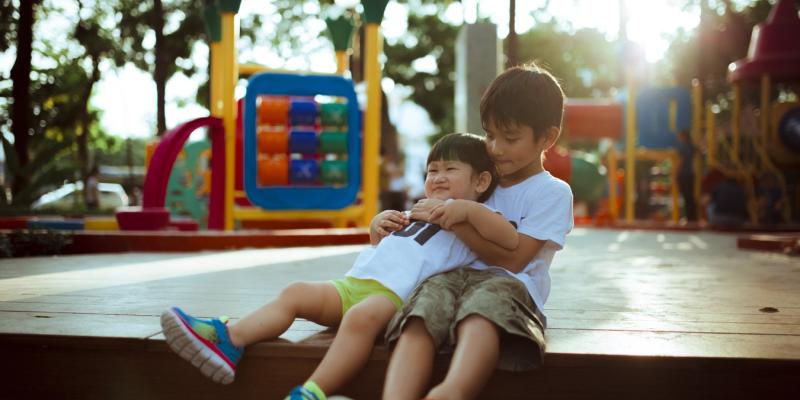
(404, 259)
(541, 207)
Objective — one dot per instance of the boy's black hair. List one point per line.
(469, 149)
(524, 95)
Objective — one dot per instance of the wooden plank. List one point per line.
(122, 241)
(105, 372)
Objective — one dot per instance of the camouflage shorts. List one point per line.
(443, 300)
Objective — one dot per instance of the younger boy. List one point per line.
(381, 278)
(491, 311)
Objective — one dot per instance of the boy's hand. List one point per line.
(450, 213)
(424, 208)
(389, 221)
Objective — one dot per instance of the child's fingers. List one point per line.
(436, 215)
(399, 218)
(390, 225)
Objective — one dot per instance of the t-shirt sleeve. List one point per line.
(549, 214)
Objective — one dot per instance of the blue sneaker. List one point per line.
(301, 393)
(203, 342)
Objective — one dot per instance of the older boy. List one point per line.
(491, 311)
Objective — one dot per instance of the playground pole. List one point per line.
(213, 27)
(612, 183)
(764, 122)
(630, 146)
(697, 135)
(216, 79)
(711, 128)
(736, 126)
(373, 12)
(230, 74)
(341, 30)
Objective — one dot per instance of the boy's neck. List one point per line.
(521, 175)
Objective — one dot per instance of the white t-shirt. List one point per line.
(405, 258)
(541, 207)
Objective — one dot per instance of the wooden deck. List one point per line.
(632, 314)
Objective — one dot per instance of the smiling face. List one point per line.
(454, 180)
(516, 152)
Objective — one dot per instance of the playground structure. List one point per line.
(646, 128)
(284, 155)
(272, 157)
(769, 145)
(656, 117)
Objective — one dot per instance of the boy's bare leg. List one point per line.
(315, 301)
(474, 360)
(411, 363)
(353, 343)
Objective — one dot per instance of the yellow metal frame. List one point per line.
(372, 125)
(630, 147)
(225, 72)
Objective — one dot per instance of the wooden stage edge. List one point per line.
(89, 242)
(123, 368)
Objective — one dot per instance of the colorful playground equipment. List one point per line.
(763, 140)
(760, 140)
(294, 151)
(658, 115)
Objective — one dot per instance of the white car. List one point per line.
(67, 197)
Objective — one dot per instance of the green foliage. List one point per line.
(182, 22)
(26, 243)
(8, 15)
(115, 151)
(136, 22)
(584, 61)
(428, 36)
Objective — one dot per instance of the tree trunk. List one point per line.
(160, 70)
(511, 41)
(21, 77)
(83, 137)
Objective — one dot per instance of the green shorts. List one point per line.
(444, 300)
(354, 290)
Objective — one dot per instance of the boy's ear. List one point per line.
(484, 181)
(551, 136)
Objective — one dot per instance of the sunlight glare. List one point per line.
(127, 274)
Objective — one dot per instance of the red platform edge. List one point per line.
(789, 243)
(84, 242)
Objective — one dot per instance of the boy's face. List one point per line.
(452, 180)
(514, 151)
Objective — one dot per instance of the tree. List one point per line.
(428, 37)
(98, 45)
(61, 124)
(172, 43)
(21, 77)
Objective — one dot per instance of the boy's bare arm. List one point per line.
(514, 260)
(489, 224)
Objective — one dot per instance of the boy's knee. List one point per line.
(415, 329)
(294, 290)
(364, 319)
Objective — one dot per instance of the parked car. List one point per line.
(70, 196)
